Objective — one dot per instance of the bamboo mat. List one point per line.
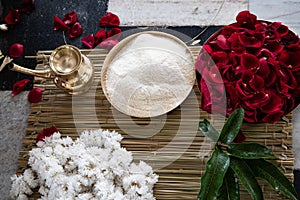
(177, 180)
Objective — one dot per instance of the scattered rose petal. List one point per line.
(27, 6)
(75, 31)
(13, 17)
(15, 50)
(115, 33)
(100, 36)
(59, 24)
(46, 132)
(70, 18)
(108, 44)
(35, 95)
(19, 86)
(88, 41)
(109, 20)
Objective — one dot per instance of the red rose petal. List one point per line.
(242, 91)
(88, 41)
(59, 24)
(222, 42)
(246, 19)
(109, 20)
(256, 82)
(264, 69)
(108, 44)
(27, 6)
(75, 31)
(273, 117)
(250, 115)
(19, 86)
(274, 47)
(207, 48)
(257, 100)
(220, 58)
(249, 61)
(13, 17)
(248, 40)
(290, 58)
(70, 19)
(46, 132)
(15, 50)
(100, 36)
(35, 95)
(276, 102)
(206, 99)
(115, 33)
(232, 97)
(235, 44)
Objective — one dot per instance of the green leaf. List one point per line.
(208, 130)
(246, 177)
(232, 126)
(212, 179)
(273, 176)
(250, 151)
(230, 189)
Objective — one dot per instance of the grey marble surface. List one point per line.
(13, 121)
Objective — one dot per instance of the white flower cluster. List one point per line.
(94, 166)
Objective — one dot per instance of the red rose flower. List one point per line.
(259, 65)
(35, 95)
(109, 20)
(47, 132)
(19, 86)
(75, 31)
(13, 17)
(15, 50)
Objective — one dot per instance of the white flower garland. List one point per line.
(94, 166)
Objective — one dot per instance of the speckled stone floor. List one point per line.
(13, 121)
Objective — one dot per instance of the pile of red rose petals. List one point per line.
(103, 38)
(259, 67)
(68, 23)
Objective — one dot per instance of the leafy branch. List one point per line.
(233, 163)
